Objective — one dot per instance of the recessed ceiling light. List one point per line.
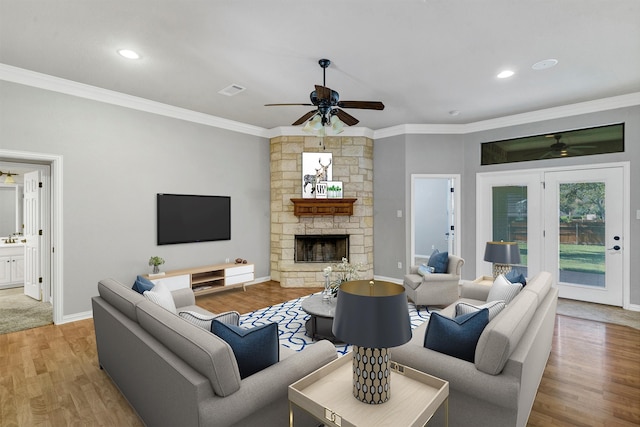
(544, 64)
(505, 74)
(129, 54)
(454, 113)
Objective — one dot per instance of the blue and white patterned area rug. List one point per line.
(291, 323)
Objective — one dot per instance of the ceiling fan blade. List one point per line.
(347, 118)
(366, 105)
(304, 118)
(323, 92)
(278, 105)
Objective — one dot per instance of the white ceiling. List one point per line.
(422, 58)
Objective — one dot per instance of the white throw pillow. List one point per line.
(204, 321)
(503, 290)
(494, 308)
(161, 295)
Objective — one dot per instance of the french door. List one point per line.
(568, 222)
(584, 233)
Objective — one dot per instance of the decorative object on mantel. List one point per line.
(316, 167)
(334, 189)
(373, 316)
(337, 207)
(503, 255)
(156, 262)
(241, 261)
(321, 190)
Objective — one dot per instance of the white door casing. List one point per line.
(32, 286)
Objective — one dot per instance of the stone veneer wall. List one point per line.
(353, 165)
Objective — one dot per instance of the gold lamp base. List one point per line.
(371, 374)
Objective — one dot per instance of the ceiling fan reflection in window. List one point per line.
(329, 108)
(560, 149)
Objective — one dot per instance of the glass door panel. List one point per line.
(510, 219)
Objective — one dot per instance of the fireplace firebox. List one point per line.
(321, 247)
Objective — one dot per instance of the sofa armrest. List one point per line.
(413, 269)
(268, 386)
(501, 390)
(440, 277)
(474, 291)
(183, 297)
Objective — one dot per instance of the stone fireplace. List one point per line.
(321, 248)
(353, 165)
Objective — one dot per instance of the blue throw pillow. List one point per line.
(255, 349)
(439, 261)
(142, 284)
(456, 337)
(515, 277)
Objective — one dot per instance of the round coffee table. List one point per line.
(322, 311)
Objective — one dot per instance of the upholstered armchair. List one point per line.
(434, 288)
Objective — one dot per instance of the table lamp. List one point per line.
(502, 255)
(373, 316)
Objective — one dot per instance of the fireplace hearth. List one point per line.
(321, 247)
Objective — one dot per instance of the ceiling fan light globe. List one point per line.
(307, 127)
(337, 125)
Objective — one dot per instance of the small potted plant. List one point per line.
(156, 262)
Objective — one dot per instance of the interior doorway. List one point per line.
(434, 220)
(52, 250)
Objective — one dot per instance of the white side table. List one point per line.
(327, 395)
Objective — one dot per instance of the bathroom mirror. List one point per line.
(10, 210)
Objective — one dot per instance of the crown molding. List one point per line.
(69, 87)
(297, 131)
(622, 101)
(81, 90)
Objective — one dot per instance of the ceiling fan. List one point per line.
(560, 149)
(329, 105)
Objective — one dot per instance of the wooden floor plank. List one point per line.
(49, 376)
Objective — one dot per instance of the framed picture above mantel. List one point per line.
(316, 167)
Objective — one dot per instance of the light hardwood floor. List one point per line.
(49, 376)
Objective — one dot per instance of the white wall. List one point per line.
(115, 161)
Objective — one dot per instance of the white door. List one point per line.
(584, 240)
(32, 286)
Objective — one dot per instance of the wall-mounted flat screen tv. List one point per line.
(184, 218)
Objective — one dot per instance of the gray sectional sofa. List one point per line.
(174, 373)
(499, 388)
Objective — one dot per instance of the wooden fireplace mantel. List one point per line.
(323, 206)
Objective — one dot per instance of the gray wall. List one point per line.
(115, 160)
(389, 232)
(453, 154)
